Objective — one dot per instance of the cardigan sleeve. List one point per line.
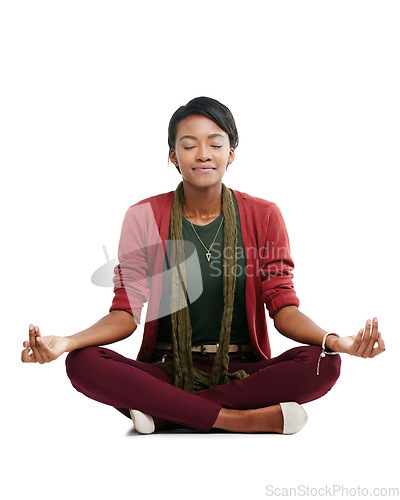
(130, 275)
(277, 265)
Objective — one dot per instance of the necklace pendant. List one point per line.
(208, 255)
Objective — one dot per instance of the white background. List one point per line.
(87, 91)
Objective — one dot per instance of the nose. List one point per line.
(203, 153)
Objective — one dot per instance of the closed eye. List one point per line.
(191, 147)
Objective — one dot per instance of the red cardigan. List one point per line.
(141, 253)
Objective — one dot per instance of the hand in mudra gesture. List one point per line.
(44, 349)
(362, 344)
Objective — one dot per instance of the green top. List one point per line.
(206, 311)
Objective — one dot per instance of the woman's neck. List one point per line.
(202, 204)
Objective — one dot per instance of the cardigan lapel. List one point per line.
(251, 265)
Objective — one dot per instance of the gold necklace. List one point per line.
(208, 254)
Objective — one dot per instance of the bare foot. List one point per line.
(268, 419)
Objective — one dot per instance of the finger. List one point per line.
(373, 339)
(32, 342)
(26, 357)
(356, 343)
(381, 346)
(40, 357)
(365, 340)
(44, 350)
(25, 344)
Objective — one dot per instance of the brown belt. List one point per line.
(207, 348)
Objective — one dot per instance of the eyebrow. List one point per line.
(195, 138)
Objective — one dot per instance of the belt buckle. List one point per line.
(203, 349)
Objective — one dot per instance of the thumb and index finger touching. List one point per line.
(34, 344)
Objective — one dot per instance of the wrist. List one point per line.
(331, 340)
(70, 344)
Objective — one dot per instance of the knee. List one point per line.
(331, 363)
(329, 372)
(329, 366)
(78, 361)
(335, 363)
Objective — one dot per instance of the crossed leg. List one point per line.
(110, 378)
(251, 404)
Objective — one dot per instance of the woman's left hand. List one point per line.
(362, 344)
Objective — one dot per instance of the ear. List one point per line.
(173, 159)
(172, 156)
(231, 155)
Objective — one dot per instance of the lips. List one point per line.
(203, 169)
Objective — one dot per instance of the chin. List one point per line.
(203, 183)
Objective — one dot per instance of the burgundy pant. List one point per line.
(112, 379)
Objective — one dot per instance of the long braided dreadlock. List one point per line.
(181, 369)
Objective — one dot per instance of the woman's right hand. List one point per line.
(44, 349)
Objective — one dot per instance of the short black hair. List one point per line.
(211, 108)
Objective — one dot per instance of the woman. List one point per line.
(207, 259)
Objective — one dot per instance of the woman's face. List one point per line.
(202, 151)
